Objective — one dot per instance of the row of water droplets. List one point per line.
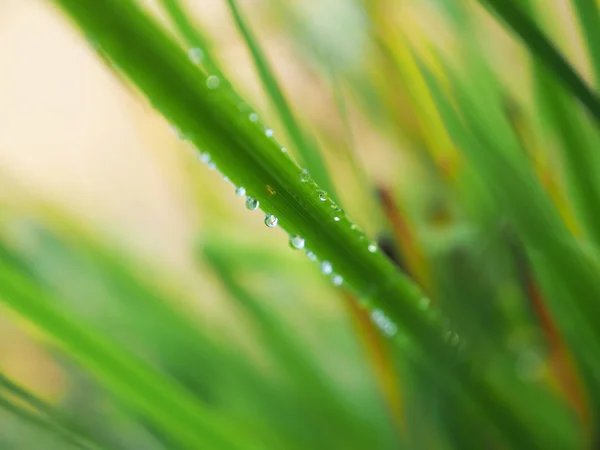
(296, 242)
(196, 56)
(325, 266)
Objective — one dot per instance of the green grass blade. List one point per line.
(47, 416)
(51, 426)
(541, 48)
(210, 119)
(589, 18)
(24, 395)
(192, 35)
(241, 150)
(160, 400)
(577, 152)
(304, 144)
(544, 233)
(167, 328)
(578, 144)
(317, 393)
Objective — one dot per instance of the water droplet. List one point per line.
(326, 268)
(323, 196)
(253, 117)
(240, 191)
(251, 203)
(196, 55)
(336, 218)
(311, 255)
(271, 220)
(268, 132)
(177, 132)
(383, 322)
(212, 82)
(424, 303)
(211, 165)
(372, 248)
(390, 329)
(204, 157)
(337, 280)
(304, 175)
(297, 242)
(283, 150)
(226, 178)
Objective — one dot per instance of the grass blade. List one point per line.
(46, 417)
(248, 157)
(38, 421)
(210, 119)
(305, 146)
(162, 401)
(192, 35)
(578, 147)
(589, 18)
(541, 48)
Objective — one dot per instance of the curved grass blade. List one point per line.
(541, 48)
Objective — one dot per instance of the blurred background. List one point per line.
(136, 241)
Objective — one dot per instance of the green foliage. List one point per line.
(474, 327)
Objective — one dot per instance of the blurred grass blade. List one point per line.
(192, 35)
(24, 395)
(560, 358)
(303, 143)
(47, 416)
(541, 48)
(412, 254)
(327, 410)
(579, 147)
(367, 208)
(38, 421)
(589, 19)
(394, 44)
(154, 396)
(540, 161)
(381, 360)
(544, 233)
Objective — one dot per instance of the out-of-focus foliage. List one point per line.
(463, 136)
